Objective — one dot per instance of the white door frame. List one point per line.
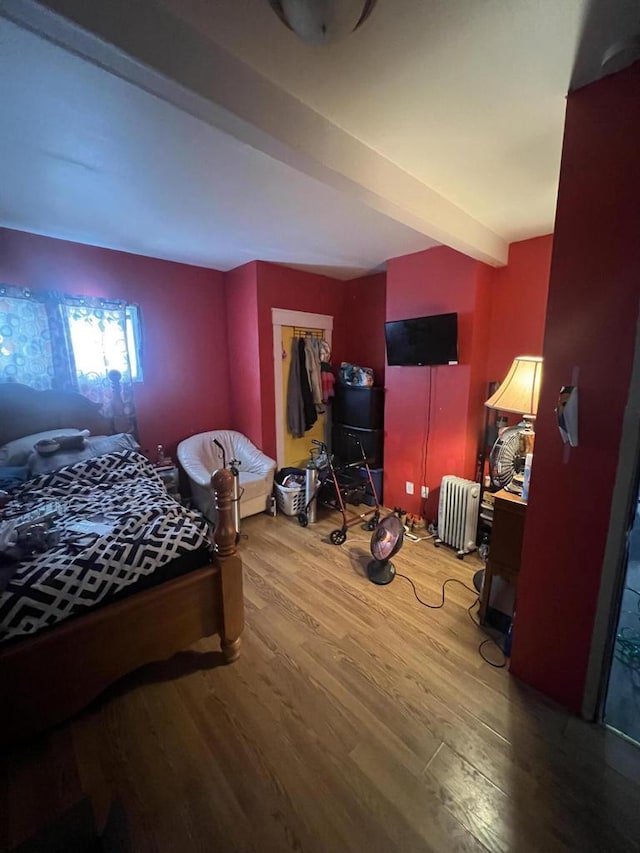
(283, 317)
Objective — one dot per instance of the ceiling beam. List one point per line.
(152, 48)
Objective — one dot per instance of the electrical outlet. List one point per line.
(409, 487)
(424, 491)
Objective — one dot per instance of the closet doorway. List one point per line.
(287, 324)
(296, 450)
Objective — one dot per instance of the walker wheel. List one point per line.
(337, 537)
(303, 519)
(372, 523)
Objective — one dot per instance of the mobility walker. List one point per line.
(338, 486)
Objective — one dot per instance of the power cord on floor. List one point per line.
(469, 609)
(435, 606)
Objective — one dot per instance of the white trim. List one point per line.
(283, 317)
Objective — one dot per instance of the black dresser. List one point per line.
(358, 413)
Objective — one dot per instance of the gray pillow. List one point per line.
(101, 444)
(17, 452)
(97, 445)
(38, 464)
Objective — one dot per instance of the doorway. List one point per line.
(612, 689)
(289, 450)
(296, 450)
(622, 703)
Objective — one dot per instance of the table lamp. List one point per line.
(518, 393)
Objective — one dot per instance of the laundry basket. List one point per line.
(290, 501)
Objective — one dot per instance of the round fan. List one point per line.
(386, 541)
(505, 457)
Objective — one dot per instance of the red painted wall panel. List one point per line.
(519, 304)
(185, 388)
(432, 282)
(295, 290)
(591, 322)
(365, 307)
(246, 393)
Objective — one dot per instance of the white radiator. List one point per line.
(458, 513)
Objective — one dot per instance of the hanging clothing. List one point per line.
(328, 381)
(310, 414)
(312, 361)
(295, 405)
(325, 351)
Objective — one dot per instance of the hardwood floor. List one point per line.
(355, 720)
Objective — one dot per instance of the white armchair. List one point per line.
(200, 458)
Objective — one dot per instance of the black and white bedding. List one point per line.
(148, 529)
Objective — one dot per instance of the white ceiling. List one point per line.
(206, 132)
(468, 96)
(88, 157)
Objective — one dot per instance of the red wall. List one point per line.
(295, 290)
(186, 387)
(246, 393)
(434, 282)
(591, 324)
(365, 307)
(519, 304)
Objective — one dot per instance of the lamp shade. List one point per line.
(520, 390)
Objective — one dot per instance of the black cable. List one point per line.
(425, 456)
(486, 659)
(469, 609)
(436, 606)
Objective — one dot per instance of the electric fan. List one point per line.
(519, 393)
(504, 457)
(507, 457)
(385, 543)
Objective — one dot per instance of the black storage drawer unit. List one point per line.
(359, 406)
(346, 449)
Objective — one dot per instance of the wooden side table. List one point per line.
(506, 544)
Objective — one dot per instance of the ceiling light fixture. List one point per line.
(322, 21)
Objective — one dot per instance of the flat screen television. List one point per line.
(422, 340)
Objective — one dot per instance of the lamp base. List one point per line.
(381, 572)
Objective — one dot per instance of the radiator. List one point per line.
(458, 513)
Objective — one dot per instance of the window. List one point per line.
(134, 341)
(101, 342)
(25, 342)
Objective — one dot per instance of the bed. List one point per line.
(95, 606)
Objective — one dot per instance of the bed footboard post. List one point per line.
(224, 538)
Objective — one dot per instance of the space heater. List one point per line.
(458, 514)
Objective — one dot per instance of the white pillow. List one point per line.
(17, 452)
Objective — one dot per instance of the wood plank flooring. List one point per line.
(355, 720)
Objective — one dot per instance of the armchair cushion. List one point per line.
(200, 458)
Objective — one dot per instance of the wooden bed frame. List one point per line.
(49, 677)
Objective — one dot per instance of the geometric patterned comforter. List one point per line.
(149, 529)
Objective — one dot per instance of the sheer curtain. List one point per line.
(99, 347)
(50, 340)
(25, 340)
